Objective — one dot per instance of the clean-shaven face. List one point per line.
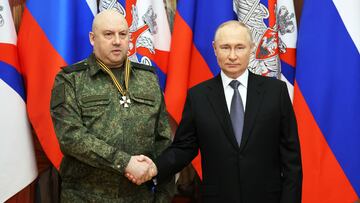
(110, 38)
(232, 46)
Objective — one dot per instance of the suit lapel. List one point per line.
(253, 101)
(217, 100)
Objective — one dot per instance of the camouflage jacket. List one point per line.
(98, 136)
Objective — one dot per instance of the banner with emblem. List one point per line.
(327, 98)
(52, 34)
(149, 32)
(273, 27)
(17, 155)
(192, 58)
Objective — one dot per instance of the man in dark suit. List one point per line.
(245, 128)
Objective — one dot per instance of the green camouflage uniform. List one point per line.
(98, 136)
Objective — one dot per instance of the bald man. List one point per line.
(106, 110)
(245, 128)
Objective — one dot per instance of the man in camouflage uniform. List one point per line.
(101, 127)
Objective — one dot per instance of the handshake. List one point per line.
(140, 169)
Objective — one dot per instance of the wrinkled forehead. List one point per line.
(232, 35)
(231, 26)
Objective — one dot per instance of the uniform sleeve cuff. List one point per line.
(121, 161)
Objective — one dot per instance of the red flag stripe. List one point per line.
(39, 82)
(178, 70)
(289, 56)
(199, 70)
(160, 58)
(321, 170)
(272, 15)
(8, 54)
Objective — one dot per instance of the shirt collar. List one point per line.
(243, 79)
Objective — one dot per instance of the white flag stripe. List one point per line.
(7, 29)
(289, 86)
(92, 5)
(290, 37)
(162, 37)
(17, 158)
(350, 15)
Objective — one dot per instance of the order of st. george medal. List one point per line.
(125, 101)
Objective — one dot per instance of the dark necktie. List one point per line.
(237, 111)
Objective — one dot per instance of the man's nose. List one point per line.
(232, 54)
(117, 39)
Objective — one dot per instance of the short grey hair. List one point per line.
(234, 22)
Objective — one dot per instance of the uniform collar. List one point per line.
(94, 66)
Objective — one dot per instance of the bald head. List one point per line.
(230, 25)
(110, 15)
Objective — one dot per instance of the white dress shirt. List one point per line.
(229, 91)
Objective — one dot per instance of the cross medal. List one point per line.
(125, 101)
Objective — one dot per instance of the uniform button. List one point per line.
(118, 166)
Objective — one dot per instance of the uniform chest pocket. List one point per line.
(144, 99)
(94, 105)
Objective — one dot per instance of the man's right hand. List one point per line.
(140, 169)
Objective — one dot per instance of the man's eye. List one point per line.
(122, 35)
(108, 35)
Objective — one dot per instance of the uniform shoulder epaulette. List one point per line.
(143, 67)
(76, 66)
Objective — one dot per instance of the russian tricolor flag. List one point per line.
(327, 100)
(17, 157)
(192, 59)
(52, 34)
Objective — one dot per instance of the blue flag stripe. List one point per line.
(67, 26)
(208, 18)
(265, 2)
(288, 71)
(13, 78)
(204, 25)
(123, 3)
(186, 9)
(328, 76)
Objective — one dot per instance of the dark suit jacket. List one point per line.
(267, 165)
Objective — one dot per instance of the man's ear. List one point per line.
(214, 47)
(91, 38)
